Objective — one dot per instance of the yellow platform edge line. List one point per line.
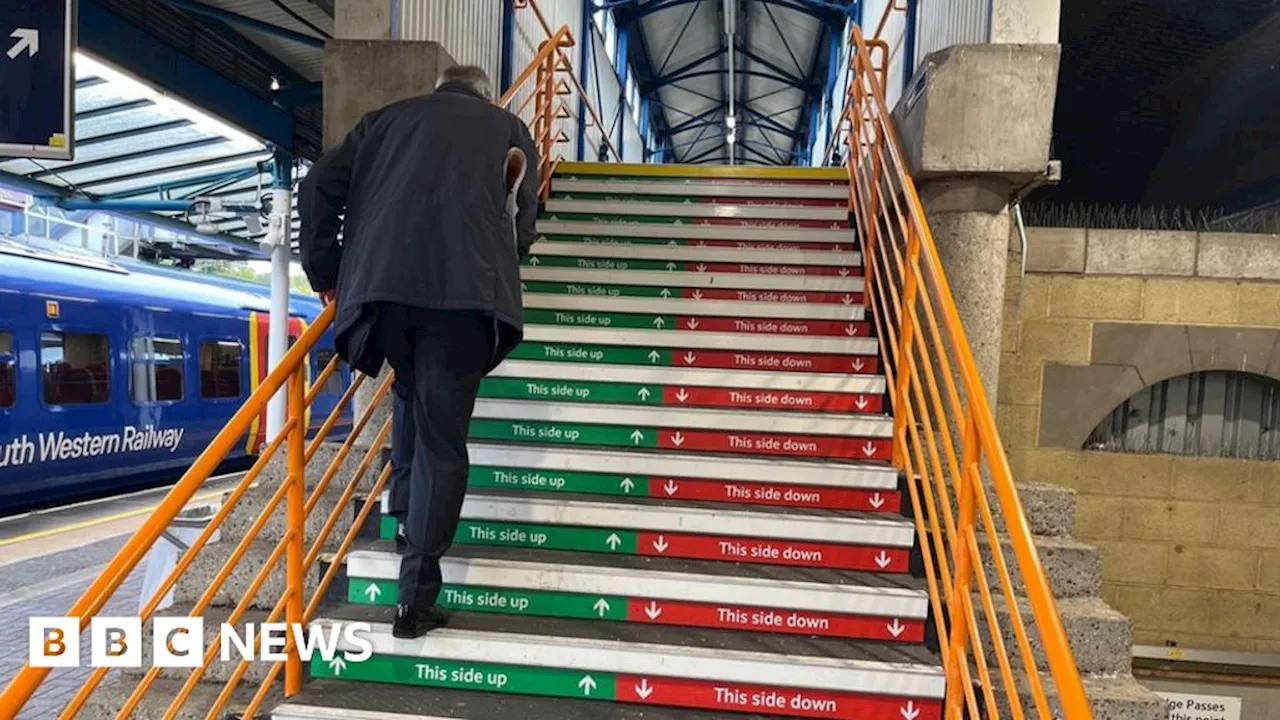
(701, 171)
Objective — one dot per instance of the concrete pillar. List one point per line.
(361, 76)
(365, 19)
(975, 126)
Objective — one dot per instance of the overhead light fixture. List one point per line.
(731, 122)
(275, 83)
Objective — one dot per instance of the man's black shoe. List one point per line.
(401, 543)
(412, 623)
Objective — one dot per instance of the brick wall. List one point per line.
(1191, 545)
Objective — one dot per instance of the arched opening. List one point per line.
(1212, 414)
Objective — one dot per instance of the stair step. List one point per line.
(710, 173)
(655, 597)
(781, 192)
(693, 254)
(786, 483)
(572, 225)
(701, 429)
(685, 387)
(846, 246)
(684, 307)
(712, 531)
(848, 299)
(693, 279)
(737, 325)
(667, 208)
(653, 665)
(713, 197)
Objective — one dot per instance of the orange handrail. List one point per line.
(945, 437)
(292, 548)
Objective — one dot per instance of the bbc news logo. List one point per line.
(180, 642)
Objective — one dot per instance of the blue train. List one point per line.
(116, 375)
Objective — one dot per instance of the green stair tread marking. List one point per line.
(474, 705)
(673, 635)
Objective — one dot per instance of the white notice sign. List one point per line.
(1202, 707)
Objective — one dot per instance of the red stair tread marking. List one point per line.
(775, 552)
(777, 620)
(789, 702)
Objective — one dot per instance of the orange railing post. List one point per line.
(297, 522)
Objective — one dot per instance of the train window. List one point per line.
(8, 370)
(323, 357)
(76, 367)
(220, 369)
(155, 369)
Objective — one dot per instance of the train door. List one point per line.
(259, 324)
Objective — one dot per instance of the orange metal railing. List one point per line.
(946, 442)
(292, 548)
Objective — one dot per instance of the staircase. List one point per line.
(679, 492)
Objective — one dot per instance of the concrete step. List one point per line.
(676, 209)
(619, 288)
(1100, 637)
(686, 255)
(1117, 697)
(693, 279)
(106, 702)
(1074, 569)
(652, 665)
(691, 307)
(744, 600)
(1049, 509)
(552, 224)
(686, 477)
(780, 193)
(746, 324)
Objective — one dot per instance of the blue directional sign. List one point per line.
(37, 80)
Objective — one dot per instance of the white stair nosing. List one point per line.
(690, 340)
(693, 253)
(782, 527)
(805, 191)
(688, 306)
(694, 377)
(662, 661)
(682, 279)
(733, 211)
(658, 585)
(299, 711)
(684, 465)
(759, 421)
(590, 228)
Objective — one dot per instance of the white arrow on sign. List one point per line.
(677, 439)
(693, 323)
(653, 356)
(861, 403)
(637, 437)
(850, 329)
(844, 272)
(658, 322)
(681, 395)
(671, 266)
(602, 607)
(697, 294)
(690, 358)
(896, 628)
(653, 611)
(643, 392)
(702, 267)
(28, 39)
(534, 261)
(702, 243)
(665, 293)
(671, 488)
(372, 592)
(587, 684)
(869, 449)
(627, 485)
(644, 690)
(877, 501)
(910, 711)
(613, 541)
(337, 665)
(847, 299)
(661, 544)
(524, 287)
(672, 243)
(858, 365)
(883, 560)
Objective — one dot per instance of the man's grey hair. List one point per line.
(471, 76)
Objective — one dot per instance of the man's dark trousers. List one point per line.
(402, 438)
(441, 356)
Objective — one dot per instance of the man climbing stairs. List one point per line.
(680, 494)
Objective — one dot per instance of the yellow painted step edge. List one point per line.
(702, 171)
